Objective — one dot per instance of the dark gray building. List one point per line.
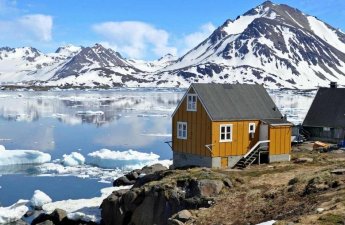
(325, 120)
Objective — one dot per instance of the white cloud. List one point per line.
(192, 40)
(135, 39)
(35, 27)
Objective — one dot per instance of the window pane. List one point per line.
(222, 137)
(180, 133)
(228, 129)
(222, 129)
(184, 133)
(228, 136)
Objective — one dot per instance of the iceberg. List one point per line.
(106, 158)
(19, 157)
(39, 199)
(14, 212)
(73, 159)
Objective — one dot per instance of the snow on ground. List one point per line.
(14, 212)
(19, 157)
(39, 199)
(73, 159)
(271, 222)
(83, 209)
(325, 33)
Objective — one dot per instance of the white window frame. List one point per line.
(184, 133)
(191, 104)
(254, 127)
(225, 133)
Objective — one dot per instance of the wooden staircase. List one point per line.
(252, 154)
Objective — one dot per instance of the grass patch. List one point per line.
(330, 219)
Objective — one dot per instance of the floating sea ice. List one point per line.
(90, 113)
(74, 159)
(39, 199)
(106, 158)
(83, 209)
(14, 212)
(19, 157)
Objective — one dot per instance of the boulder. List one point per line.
(227, 182)
(338, 171)
(174, 222)
(153, 168)
(209, 188)
(57, 217)
(182, 216)
(123, 181)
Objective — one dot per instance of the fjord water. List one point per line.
(61, 122)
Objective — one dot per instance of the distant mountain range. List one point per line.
(272, 44)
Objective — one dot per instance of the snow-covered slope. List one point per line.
(271, 44)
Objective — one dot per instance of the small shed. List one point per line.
(227, 125)
(325, 120)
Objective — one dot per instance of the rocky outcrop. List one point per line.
(57, 217)
(133, 176)
(156, 197)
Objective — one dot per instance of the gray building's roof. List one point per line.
(236, 102)
(327, 109)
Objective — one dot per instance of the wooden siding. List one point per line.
(198, 129)
(240, 143)
(280, 140)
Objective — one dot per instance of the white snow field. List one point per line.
(73, 159)
(83, 209)
(19, 157)
(14, 212)
(39, 199)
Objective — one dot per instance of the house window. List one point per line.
(225, 134)
(191, 102)
(326, 129)
(251, 128)
(181, 130)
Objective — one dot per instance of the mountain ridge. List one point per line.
(272, 44)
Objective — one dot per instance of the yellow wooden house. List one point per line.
(228, 125)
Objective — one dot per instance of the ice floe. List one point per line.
(83, 209)
(19, 157)
(90, 113)
(73, 159)
(39, 199)
(105, 165)
(14, 212)
(106, 158)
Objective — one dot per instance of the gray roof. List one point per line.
(327, 109)
(236, 102)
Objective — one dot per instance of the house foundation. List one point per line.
(279, 158)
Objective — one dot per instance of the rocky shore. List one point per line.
(308, 190)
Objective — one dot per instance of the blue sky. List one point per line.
(135, 28)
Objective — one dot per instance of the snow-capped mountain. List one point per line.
(272, 44)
